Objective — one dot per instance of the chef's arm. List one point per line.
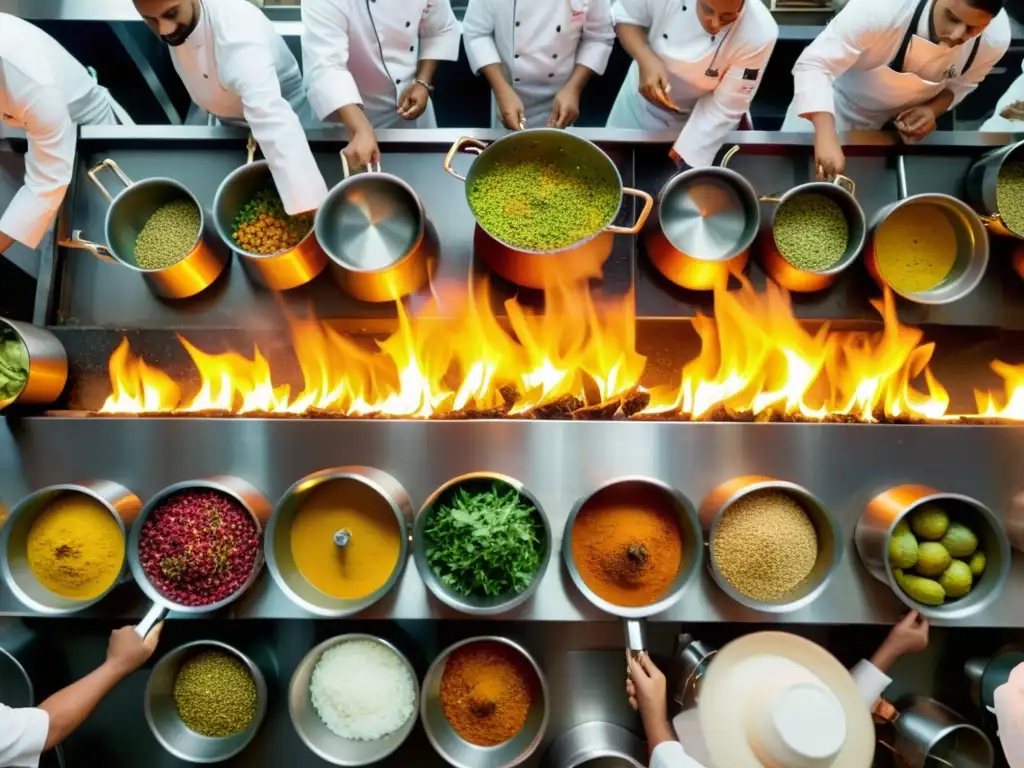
(69, 707)
(940, 103)
(439, 34)
(634, 40)
(330, 86)
(595, 46)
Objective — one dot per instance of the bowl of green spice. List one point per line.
(481, 543)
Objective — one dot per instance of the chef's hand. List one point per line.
(510, 108)
(646, 688)
(362, 149)
(414, 101)
(916, 122)
(126, 651)
(828, 155)
(566, 107)
(654, 83)
(910, 635)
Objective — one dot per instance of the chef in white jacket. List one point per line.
(237, 67)
(370, 64)
(48, 93)
(696, 67)
(902, 60)
(537, 56)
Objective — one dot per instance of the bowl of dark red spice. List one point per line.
(197, 545)
(485, 703)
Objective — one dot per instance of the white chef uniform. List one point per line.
(238, 68)
(45, 91)
(1014, 94)
(691, 752)
(1008, 702)
(538, 43)
(875, 60)
(366, 52)
(23, 735)
(713, 77)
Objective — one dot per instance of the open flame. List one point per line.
(756, 360)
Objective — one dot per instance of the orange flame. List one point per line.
(1013, 402)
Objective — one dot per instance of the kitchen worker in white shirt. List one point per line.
(370, 64)
(48, 93)
(647, 692)
(902, 60)
(537, 56)
(237, 67)
(28, 732)
(696, 67)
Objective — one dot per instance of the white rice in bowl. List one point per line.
(362, 690)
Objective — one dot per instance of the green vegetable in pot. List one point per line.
(13, 364)
(485, 543)
(1010, 196)
(811, 232)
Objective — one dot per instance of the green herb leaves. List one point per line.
(485, 543)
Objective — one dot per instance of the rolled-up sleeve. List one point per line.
(670, 754)
(439, 32)
(598, 37)
(870, 680)
(329, 83)
(636, 12)
(478, 34)
(23, 735)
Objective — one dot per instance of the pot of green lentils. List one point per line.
(205, 701)
(817, 230)
(156, 228)
(544, 201)
(995, 189)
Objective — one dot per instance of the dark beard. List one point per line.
(182, 34)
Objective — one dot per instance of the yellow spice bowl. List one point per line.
(123, 506)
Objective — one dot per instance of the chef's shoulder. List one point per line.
(757, 28)
(239, 21)
(997, 33)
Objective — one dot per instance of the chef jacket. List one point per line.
(1013, 95)
(23, 735)
(1008, 702)
(875, 59)
(366, 52)
(44, 90)
(238, 68)
(713, 77)
(538, 44)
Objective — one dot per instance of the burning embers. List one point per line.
(576, 359)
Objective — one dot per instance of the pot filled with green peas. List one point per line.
(816, 231)
(995, 189)
(544, 201)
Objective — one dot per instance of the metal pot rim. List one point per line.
(811, 187)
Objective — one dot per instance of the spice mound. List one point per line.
(811, 232)
(765, 545)
(199, 547)
(263, 227)
(168, 236)
(486, 692)
(915, 248)
(485, 542)
(75, 547)
(215, 694)
(362, 690)
(627, 545)
(1010, 196)
(365, 563)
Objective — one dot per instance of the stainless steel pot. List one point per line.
(47, 364)
(242, 492)
(162, 714)
(929, 733)
(123, 506)
(971, 240)
(537, 269)
(281, 561)
(127, 215)
(705, 222)
(884, 511)
(830, 539)
(985, 675)
(840, 190)
(596, 745)
(476, 606)
(689, 665)
(279, 271)
(980, 186)
(374, 230)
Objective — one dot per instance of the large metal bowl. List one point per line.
(47, 364)
(162, 712)
(318, 737)
(478, 606)
(281, 561)
(460, 753)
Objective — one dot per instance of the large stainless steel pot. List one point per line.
(374, 230)
(537, 269)
(929, 733)
(596, 745)
(884, 511)
(980, 186)
(47, 364)
(127, 215)
(279, 271)
(281, 561)
(985, 675)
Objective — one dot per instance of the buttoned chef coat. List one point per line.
(23, 735)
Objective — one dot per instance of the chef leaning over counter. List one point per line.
(237, 67)
(371, 64)
(902, 60)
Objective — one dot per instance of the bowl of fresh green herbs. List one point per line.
(481, 543)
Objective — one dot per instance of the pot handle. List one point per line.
(476, 147)
(636, 637)
(250, 149)
(101, 252)
(154, 615)
(346, 171)
(729, 155)
(845, 182)
(641, 219)
(94, 177)
(901, 178)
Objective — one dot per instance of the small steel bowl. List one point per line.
(460, 753)
(830, 539)
(318, 737)
(47, 364)
(162, 712)
(123, 506)
(477, 606)
(281, 562)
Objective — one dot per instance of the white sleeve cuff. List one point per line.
(28, 217)
(443, 47)
(481, 52)
(628, 12)
(813, 93)
(593, 55)
(334, 89)
(870, 680)
(670, 754)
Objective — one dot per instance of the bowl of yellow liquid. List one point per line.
(338, 540)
